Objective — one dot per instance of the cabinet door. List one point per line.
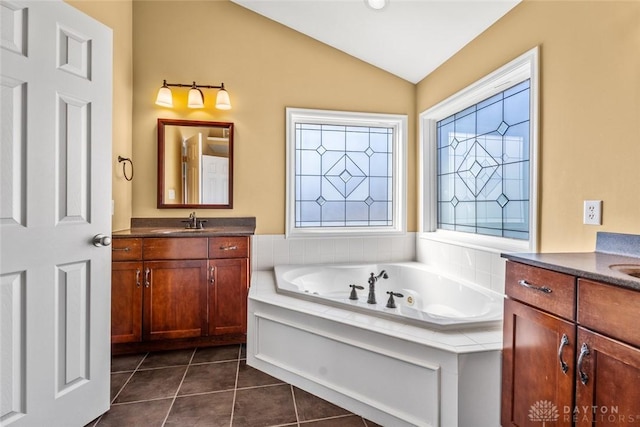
(228, 296)
(175, 299)
(126, 302)
(607, 382)
(534, 387)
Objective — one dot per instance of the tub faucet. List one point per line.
(391, 303)
(372, 285)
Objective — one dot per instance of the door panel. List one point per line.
(609, 395)
(175, 299)
(228, 296)
(55, 190)
(126, 302)
(532, 379)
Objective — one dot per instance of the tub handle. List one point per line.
(391, 303)
(564, 341)
(535, 288)
(354, 295)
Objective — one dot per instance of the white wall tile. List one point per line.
(270, 250)
(485, 268)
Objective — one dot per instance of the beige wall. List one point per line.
(265, 67)
(590, 100)
(118, 15)
(589, 104)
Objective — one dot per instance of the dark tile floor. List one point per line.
(210, 387)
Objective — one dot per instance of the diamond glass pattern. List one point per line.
(487, 144)
(351, 171)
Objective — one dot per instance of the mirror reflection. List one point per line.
(195, 164)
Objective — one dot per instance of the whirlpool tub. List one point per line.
(434, 360)
(422, 295)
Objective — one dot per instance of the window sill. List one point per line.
(479, 242)
(327, 233)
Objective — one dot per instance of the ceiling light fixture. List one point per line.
(376, 4)
(196, 97)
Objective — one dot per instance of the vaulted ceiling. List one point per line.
(408, 38)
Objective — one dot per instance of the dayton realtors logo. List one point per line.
(543, 411)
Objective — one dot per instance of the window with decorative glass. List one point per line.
(345, 172)
(480, 148)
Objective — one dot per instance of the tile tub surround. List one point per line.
(392, 373)
(210, 387)
(269, 250)
(482, 267)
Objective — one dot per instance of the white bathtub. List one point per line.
(437, 368)
(428, 298)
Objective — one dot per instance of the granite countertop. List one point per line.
(611, 249)
(175, 227)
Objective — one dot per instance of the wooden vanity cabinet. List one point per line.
(535, 343)
(181, 291)
(601, 352)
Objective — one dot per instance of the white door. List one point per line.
(55, 193)
(215, 180)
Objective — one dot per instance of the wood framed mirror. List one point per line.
(195, 164)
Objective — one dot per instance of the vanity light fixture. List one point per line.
(196, 97)
(376, 4)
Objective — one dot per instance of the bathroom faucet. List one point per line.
(372, 285)
(194, 222)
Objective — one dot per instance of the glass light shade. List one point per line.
(222, 100)
(196, 99)
(164, 97)
(376, 4)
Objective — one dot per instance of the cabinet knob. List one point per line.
(212, 271)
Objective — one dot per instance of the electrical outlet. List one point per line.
(593, 212)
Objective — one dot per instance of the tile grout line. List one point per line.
(295, 406)
(235, 387)
(175, 396)
(112, 401)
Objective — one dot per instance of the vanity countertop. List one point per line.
(175, 227)
(611, 249)
(588, 265)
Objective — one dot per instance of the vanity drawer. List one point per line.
(608, 309)
(158, 248)
(229, 247)
(547, 290)
(129, 249)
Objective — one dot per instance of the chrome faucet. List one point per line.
(372, 285)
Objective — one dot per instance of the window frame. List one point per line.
(399, 159)
(526, 66)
